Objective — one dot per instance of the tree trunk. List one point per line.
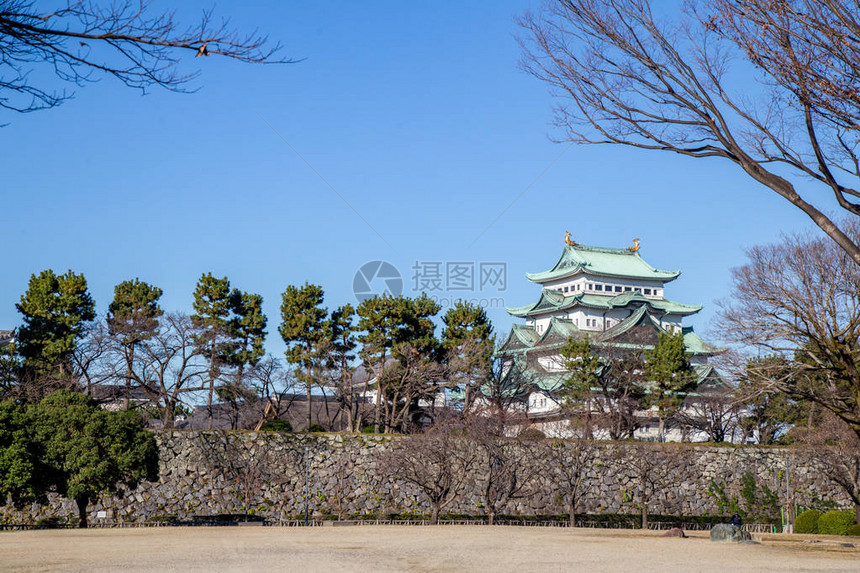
(660, 428)
(644, 508)
(83, 501)
(491, 517)
(434, 514)
(310, 411)
(571, 512)
(588, 432)
(857, 513)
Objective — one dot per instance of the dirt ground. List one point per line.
(410, 548)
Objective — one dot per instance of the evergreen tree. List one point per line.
(468, 340)
(303, 329)
(668, 370)
(340, 345)
(585, 369)
(21, 469)
(95, 452)
(386, 321)
(132, 318)
(212, 306)
(246, 330)
(55, 309)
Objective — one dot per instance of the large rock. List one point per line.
(728, 533)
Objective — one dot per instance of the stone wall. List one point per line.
(209, 473)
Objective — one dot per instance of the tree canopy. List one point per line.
(81, 41)
(88, 451)
(768, 86)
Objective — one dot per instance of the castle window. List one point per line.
(618, 289)
(566, 289)
(598, 287)
(647, 291)
(627, 289)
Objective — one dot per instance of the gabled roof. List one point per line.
(559, 330)
(640, 317)
(602, 261)
(521, 337)
(552, 301)
(525, 338)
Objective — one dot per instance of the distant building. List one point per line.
(7, 337)
(617, 299)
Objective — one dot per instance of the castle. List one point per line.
(615, 298)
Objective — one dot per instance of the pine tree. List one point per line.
(584, 367)
(303, 326)
(246, 331)
(386, 321)
(212, 306)
(468, 340)
(668, 370)
(132, 318)
(55, 309)
(340, 346)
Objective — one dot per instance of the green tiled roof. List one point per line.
(553, 301)
(525, 338)
(604, 262)
(696, 345)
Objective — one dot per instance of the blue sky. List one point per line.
(415, 113)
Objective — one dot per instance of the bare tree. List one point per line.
(413, 378)
(169, 365)
(90, 351)
(800, 300)
(569, 463)
(835, 449)
(80, 41)
(275, 385)
(504, 394)
(437, 463)
(624, 76)
(508, 466)
(715, 412)
(653, 468)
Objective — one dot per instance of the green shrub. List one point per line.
(835, 522)
(316, 428)
(854, 530)
(277, 426)
(807, 522)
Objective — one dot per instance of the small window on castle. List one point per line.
(627, 289)
(598, 287)
(647, 291)
(566, 289)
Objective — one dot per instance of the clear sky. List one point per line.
(414, 112)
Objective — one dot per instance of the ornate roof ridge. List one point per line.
(602, 261)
